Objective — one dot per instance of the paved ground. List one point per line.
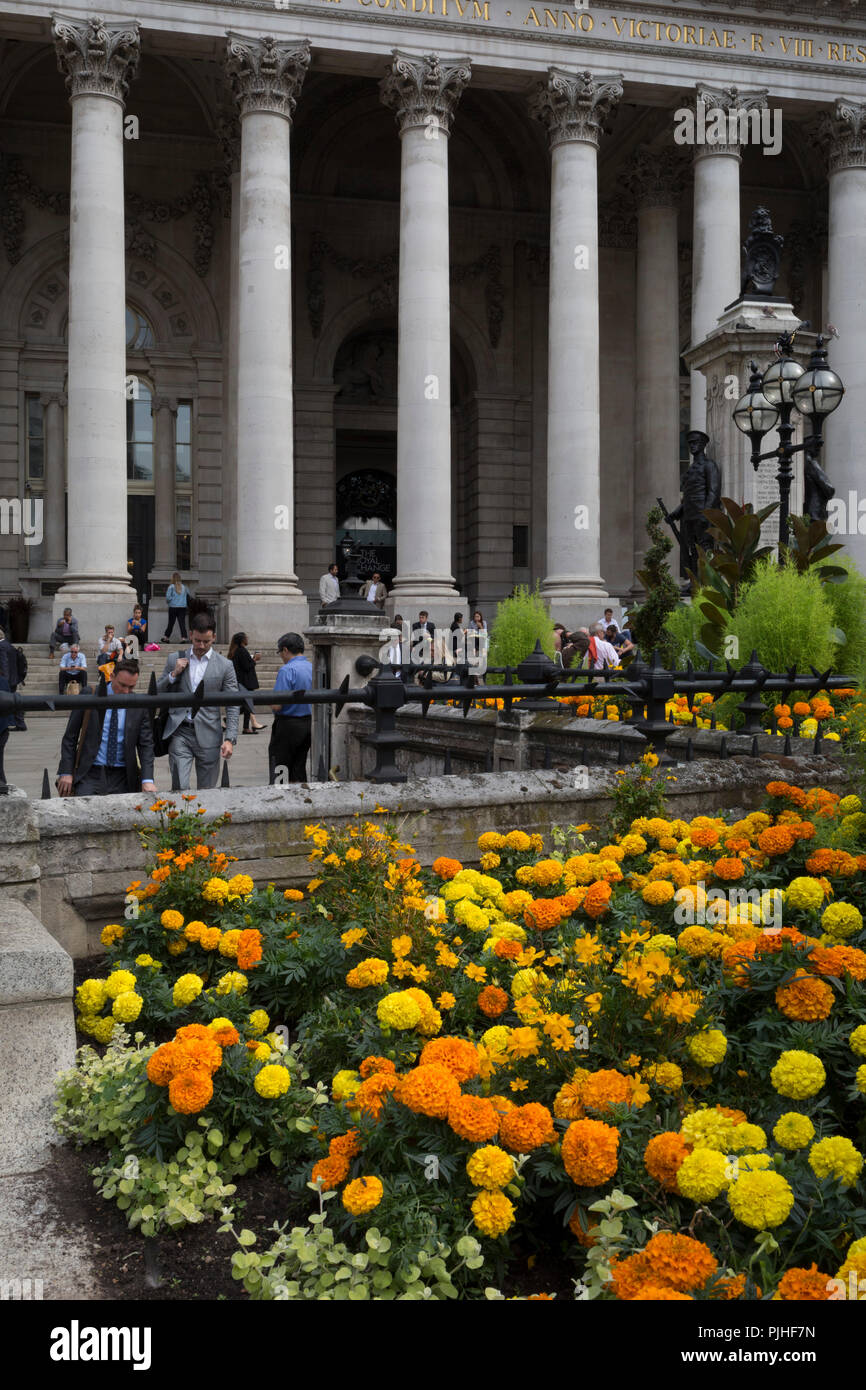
(28, 753)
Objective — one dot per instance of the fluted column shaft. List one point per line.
(424, 93)
(164, 411)
(54, 550)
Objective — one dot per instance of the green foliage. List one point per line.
(520, 622)
(640, 792)
(190, 1187)
(786, 617)
(848, 602)
(648, 623)
(683, 626)
(307, 1263)
(737, 550)
(809, 546)
(97, 1099)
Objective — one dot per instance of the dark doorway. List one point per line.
(140, 543)
(366, 503)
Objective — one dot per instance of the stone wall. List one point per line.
(89, 851)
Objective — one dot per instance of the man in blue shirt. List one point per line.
(291, 730)
(73, 667)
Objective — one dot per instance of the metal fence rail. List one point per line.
(647, 686)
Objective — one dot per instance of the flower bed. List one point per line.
(643, 1058)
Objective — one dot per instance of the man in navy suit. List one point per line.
(117, 747)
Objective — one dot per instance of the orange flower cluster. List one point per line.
(373, 1092)
(597, 900)
(839, 961)
(334, 1169)
(429, 1089)
(663, 1157)
(456, 1055)
(804, 1285)
(543, 913)
(527, 1127)
(474, 1118)
(186, 1065)
(776, 839)
(835, 863)
(668, 1262)
(729, 869)
(493, 1001)
(602, 1089)
(804, 998)
(371, 1065)
(446, 868)
(249, 949)
(589, 1152)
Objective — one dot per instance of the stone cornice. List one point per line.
(842, 134)
(95, 58)
(267, 74)
(424, 92)
(575, 105)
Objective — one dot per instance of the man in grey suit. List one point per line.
(198, 738)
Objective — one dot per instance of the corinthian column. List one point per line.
(716, 230)
(574, 108)
(843, 134)
(424, 93)
(98, 62)
(265, 599)
(655, 179)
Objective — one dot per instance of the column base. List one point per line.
(575, 602)
(436, 593)
(264, 612)
(95, 603)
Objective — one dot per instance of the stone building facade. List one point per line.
(422, 271)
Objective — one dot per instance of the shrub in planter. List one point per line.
(520, 622)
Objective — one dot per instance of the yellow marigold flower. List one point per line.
(177, 946)
(362, 1195)
(798, 1074)
(353, 936)
(523, 1042)
(398, 1011)
(665, 1074)
(445, 1000)
(708, 1047)
(491, 840)
(293, 895)
(658, 892)
(793, 1130)
(272, 1081)
(805, 894)
(146, 960)
(127, 1006)
(518, 840)
(113, 932)
(186, 988)
(171, 920)
(703, 1175)
(233, 982)
(836, 1158)
(345, 1084)
(369, 972)
(119, 981)
(492, 1213)
(761, 1200)
(215, 890)
(707, 1129)
(842, 920)
(91, 995)
(490, 1167)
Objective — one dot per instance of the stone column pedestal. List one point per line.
(337, 640)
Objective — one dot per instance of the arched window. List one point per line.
(139, 333)
(139, 437)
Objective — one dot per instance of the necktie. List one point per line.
(111, 753)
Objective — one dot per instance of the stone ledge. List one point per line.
(32, 965)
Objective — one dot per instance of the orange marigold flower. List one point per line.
(373, 1092)
(838, 961)
(446, 868)
(226, 1035)
(493, 1001)
(526, 1127)
(804, 998)
(705, 836)
(345, 1145)
(249, 949)
(629, 1276)
(729, 1287)
(663, 1157)
(543, 913)
(473, 1118)
(330, 1171)
(585, 1230)
(459, 1056)
(428, 1089)
(203, 1054)
(729, 869)
(804, 1285)
(776, 839)
(371, 1065)
(602, 1089)
(506, 950)
(597, 900)
(736, 960)
(160, 1066)
(190, 1090)
(661, 1293)
(589, 1152)
(679, 1261)
(768, 943)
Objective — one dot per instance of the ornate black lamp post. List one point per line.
(769, 403)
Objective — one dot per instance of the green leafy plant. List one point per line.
(648, 622)
(809, 545)
(786, 617)
(520, 622)
(638, 792)
(736, 535)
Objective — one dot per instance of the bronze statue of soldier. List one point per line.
(701, 488)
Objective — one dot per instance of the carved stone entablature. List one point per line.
(575, 105)
(424, 92)
(96, 59)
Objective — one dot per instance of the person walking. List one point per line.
(73, 667)
(64, 634)
(374, 591)
(197, 738)
(329, 584)
(292, 729)
(177, 596)
(108, 751)
(7, 724)
(12, 672)
(247, 677)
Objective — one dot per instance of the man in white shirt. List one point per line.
(604, 652)
(329, 585)
(197, 738)
(608, 621)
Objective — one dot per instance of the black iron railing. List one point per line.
(648, 687)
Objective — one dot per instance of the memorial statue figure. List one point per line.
(762, 256)
(701, 488)
(817, 486)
